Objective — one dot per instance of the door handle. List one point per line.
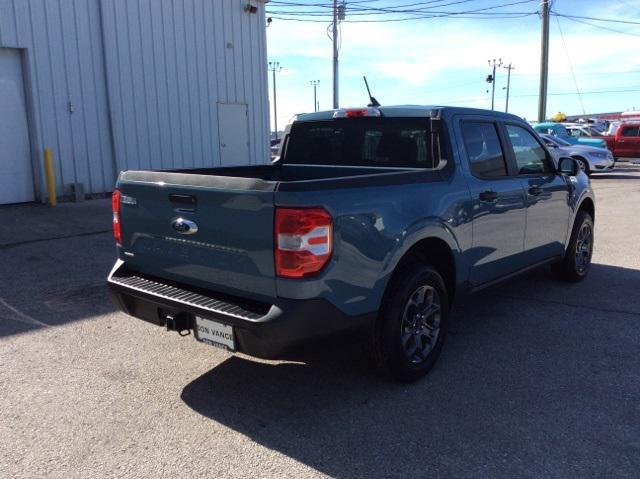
(488, 195)
(535, 190)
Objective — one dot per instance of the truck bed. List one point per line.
(232, 210)
(278, 177)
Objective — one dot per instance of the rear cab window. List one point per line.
(484, 150)
(369, 142)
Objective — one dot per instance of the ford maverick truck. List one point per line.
(370, 221)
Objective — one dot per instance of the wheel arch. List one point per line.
(585, 160)
(438, 253)
(588, 205)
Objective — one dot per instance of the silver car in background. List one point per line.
(591, 159)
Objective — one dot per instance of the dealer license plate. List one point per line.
(214, 333)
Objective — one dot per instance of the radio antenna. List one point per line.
(373, 101)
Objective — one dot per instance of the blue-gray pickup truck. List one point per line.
(371, 220)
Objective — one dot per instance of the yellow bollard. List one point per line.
(51, 179)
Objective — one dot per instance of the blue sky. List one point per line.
(444, 61)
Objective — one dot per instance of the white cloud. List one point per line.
(427, 61)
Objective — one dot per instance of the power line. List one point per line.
(530, 95)
(418, 14)
(595, 19)
(453, 16)
(597, 26)
(636, 7)
(371, 11)
(582, 73)
(566, 51)
(593, 92)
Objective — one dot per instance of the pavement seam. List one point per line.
(40, 240)
(578, 306)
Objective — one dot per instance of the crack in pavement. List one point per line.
(22, 317)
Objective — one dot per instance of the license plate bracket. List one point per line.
(214, 333)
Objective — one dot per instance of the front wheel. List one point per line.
(584, 165)
(577, 259)
(411, 325)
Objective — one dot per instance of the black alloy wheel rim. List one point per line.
(584, 248)
(420, 328)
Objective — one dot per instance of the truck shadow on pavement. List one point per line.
(538, 378)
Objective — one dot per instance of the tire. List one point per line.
(584, 164)
(404, 325)
(577, 259)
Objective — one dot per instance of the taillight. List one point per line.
(303, 241)
(115, 208)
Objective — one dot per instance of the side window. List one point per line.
(629, 131)
(484, 150)
(530, 155)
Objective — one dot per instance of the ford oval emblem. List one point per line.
(184, 227)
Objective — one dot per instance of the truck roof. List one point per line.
(408, 110)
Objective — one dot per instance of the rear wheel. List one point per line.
(577, 259)
(412, 322)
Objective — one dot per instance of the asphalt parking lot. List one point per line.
(538, 378)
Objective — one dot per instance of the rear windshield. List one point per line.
(381, 142)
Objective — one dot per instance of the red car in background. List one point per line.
(626, 142)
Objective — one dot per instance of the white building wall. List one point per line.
(125, 84)
(169, 63)
(61, 46)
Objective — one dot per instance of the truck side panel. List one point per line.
(373, 229)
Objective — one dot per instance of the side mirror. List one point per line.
(569, 166)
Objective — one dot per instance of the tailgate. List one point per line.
(209, 231)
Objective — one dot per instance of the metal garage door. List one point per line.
(16, 175)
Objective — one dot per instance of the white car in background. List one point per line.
(591, 159)
(613, 127)
(584, 131)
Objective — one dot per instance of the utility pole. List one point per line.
(492, 79)
(336, 100)
(275, 67)
(508, 68)
(315, 84)
(544, 62)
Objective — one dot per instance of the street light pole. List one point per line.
(315, 84)
(509, 68)
(492, 79)
(274, 67)
(335, 55)
(544, 62)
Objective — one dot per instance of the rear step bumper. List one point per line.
(270, 331)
